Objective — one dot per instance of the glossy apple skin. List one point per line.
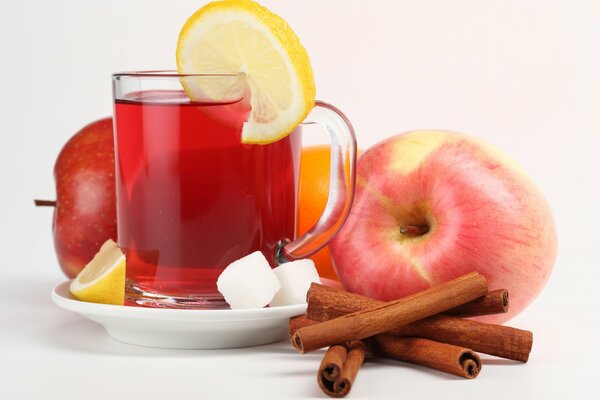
(85, 214)
(482, 211)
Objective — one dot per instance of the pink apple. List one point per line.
(431, 206)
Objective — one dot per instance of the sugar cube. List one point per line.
(295, 278)
(248, 282)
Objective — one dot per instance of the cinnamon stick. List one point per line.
(298, 322)
(495, 302)
(391, 315)
(331, 366)
(444, 357)
(331, 303)
(497, 340)
(340, 366)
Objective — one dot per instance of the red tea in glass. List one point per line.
(192, 198)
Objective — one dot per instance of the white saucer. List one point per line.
(184, 329)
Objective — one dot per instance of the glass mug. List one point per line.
(191, 198)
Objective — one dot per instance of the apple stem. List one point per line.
(414, 230)
(45, 203)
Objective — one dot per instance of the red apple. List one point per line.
(431, 206)
(85, 213)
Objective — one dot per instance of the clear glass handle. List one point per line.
(341, 185)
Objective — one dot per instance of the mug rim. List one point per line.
(165, 73)
(171, 73)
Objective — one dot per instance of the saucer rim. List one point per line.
(62, 298)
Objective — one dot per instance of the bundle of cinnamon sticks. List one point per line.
(428, 328)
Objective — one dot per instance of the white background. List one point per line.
(524, 75)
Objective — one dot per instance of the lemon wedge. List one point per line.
(243, 38)
(103, 279)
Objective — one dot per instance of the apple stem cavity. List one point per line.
(414, 230)
(45, 203)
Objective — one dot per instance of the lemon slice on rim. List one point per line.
(103, 279)
(242, 37)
